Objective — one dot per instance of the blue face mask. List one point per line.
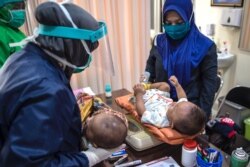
(18, 18)
(177, 31)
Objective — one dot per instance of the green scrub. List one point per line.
(8, 35)
(10, 21)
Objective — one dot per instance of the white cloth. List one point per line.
(157, 104)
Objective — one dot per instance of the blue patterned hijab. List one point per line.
(181, 59)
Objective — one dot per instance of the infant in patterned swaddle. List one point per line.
(155, 107)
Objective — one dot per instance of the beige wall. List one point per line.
(238, 72)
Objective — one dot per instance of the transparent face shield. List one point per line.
(83, 35)
(104, 60)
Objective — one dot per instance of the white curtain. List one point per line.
(128, 23)
(30, 23)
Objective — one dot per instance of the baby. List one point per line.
(106, 128)
(155, 108)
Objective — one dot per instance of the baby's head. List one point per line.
(106, 128)
(187, 118)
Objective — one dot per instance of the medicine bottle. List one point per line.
(108, 92)
(189, 153)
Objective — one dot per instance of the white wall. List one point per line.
(238, 72)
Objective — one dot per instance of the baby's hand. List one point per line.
(174, 81)
(139, 89)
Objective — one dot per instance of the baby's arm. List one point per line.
(139, 92)
(180, 92)
(163, 86)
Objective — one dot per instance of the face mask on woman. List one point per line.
(177, 31)
(14, 18)
(18, 18)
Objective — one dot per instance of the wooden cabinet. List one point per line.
(244, 43)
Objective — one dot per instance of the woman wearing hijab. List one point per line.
(186, 53)
(12, 16)
(40, 123)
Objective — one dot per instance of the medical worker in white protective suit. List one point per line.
(40, 121)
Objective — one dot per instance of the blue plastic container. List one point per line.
(202, 163)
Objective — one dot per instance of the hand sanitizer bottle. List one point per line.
(108, 92)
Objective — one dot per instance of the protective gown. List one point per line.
(39, 119)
